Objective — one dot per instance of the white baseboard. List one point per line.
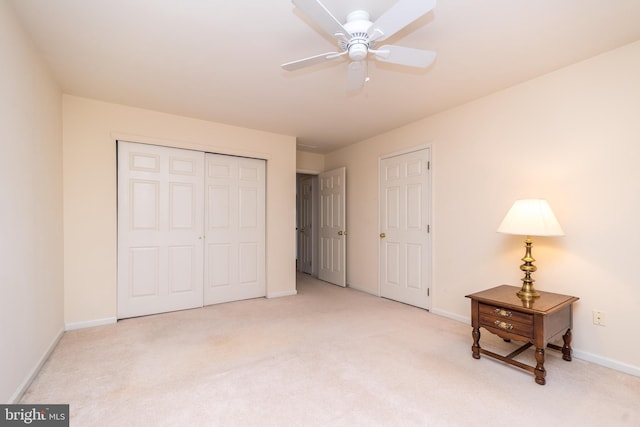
(32, 375)
(606, 362)
(282, 294)
(90, 323)
(365, 290)
(451, 316)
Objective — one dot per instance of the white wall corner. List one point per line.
(36, 369)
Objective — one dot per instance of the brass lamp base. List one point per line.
(528, 291)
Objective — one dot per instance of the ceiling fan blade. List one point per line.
(405, 56)
(321, 15)
(399, 16)
(356, 75)
(312, 60)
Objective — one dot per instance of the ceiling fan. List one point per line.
(358, 36)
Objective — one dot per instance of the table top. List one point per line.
(507, 296)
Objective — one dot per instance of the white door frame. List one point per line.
(428, 267)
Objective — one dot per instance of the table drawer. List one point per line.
(499, 318)
(505, 314)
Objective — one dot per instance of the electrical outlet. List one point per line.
(599, 317)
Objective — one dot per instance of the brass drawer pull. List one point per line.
(502, 312)
(503, 325)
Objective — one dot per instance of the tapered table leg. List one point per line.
(475, 348)
(566, 348)
(540, 371)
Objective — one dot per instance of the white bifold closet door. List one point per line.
(235, 229)
(190, 229)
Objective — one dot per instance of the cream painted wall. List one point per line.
(31, 276)
(309, 162)
(572, 137)
(89, 133)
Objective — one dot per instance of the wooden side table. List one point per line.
(535, 321)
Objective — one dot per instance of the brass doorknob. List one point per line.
(382, 235)
(340, 233)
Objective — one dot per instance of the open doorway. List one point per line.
(321, 225)
(306, 224)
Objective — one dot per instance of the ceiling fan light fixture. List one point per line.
(358, 51)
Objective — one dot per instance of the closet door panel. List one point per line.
(235, 221)
(160, 229)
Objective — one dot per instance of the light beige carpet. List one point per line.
(327, 357)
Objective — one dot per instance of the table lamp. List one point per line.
(530, 217)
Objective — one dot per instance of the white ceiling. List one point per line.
(220, 60)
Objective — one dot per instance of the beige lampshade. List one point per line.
(531, 217)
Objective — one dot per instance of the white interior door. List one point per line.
(305, 206)
(235, 229)
(333, 234)
(160, 229)
(404, 228)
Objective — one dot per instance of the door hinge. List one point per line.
(429, 165)
(428, 228)
(428, 292)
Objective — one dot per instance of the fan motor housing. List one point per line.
(358, 23)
